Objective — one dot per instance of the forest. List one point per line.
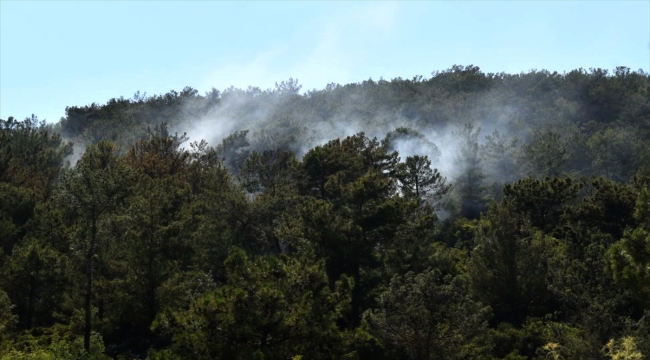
(465, 215)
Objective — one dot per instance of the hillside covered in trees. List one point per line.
(461, 216)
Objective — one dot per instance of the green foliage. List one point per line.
(615, 152)
(547, 155)
(501, 155)
(430, 316)
(542, 201)
(623, 349)
(629, 259)
(16, 209)
(507, 268)
(270, 308)
(270, 172)
(514, 343)
(275, 179)
(31, 154)
(412, 248)
(419, 181)
(564, 341)
(31, 161)
(157, 155)
(217, 217)
(607, 206)
(37, 279)
(234, 150)
(7, 319)
(355, 210)
(89, 192)
(585, 295)
(345, 161)
(53, 343)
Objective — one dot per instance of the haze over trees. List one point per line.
(461, 216)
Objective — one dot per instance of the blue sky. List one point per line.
(57, 54)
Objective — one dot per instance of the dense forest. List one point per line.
(461, 216)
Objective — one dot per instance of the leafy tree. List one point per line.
(355, 210)
(623, 349)
(54, 343)
(216, 216)
(507, 268)
(616, 152)
(31, 155)
(16, 210)
(430, 316)
(543, 202)
(501, 155)
(345, 161)
(271, 307)
(288, 87)
(585, 296)
(148, 249)
(184, 287)
(629, 259)
(270, 172)
(37, 278)
(275, 179)
(417, 180)
(564, 341)
(91, 190)
(147, 238)
(234, 150)
(547, 154)
(157, 155)
(606, 205)
(31, 160)
(413, 245)
(7, 319)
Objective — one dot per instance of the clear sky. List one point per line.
(57, 54)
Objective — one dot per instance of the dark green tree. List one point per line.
(355, 209)
(507, 268)
(32, 155)
(94, 188)
(270, 308)
(547, 154)
(430, 316)
(157, 154)
(7, 319)
(542, 202)
(275, 179)
(38, 280)
(629, 259)
(616, 151)
(418, 181)
(501, 155)
(606, 205)
(234, 150)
